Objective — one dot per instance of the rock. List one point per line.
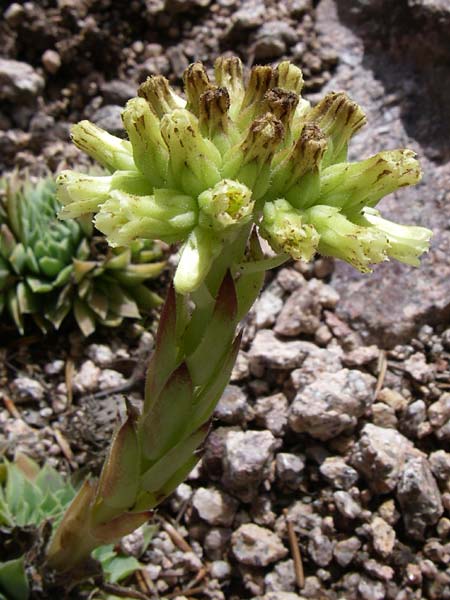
(177, 59)
(217, 543)
(290, 280)
(220, 569)
(320, 548)
(297, 8)
(360, 356)
(249, 16)
(13, 14)
(416, 366)
(109, 117)
(240, 369)
(393, 399)
(440, 466)
(301, 312)
(303, 518)
(413, 417)
(384, 415)
(247, 456)
(371, 590)
(439, 411)
(338, 472)
(269, 46)
(389, 512)
(331, 405)
(379, 455)
(214, 506)
(271, 413)
(51, 61)
(443, 528)
(282, 578)
(288, 468)
(86, 379)
(346, 505)
(268, 305)
(101, 354)
(261, 511)
(154, 65)
(26, 389)
(278, 29)
(268, 351)
(134, 543)
(213, 456)
(19, 82)
(110, 379)
(256, 546)
(318, 361)
(418, 496)
(383, 537)
(375, 569)
(55, 367)
(117, 92)
(232, 407)
(346, 550)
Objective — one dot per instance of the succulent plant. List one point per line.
(215, 171)
(49, 268)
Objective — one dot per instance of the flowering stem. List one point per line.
(234, 161)
(152, 452)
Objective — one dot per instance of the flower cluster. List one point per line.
(201, 170)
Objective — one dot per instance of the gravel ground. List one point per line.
(333, 437)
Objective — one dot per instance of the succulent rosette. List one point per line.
(51, 268)
(201, 169)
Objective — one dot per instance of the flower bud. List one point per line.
(351, 186)
(197, 256)
(406, 242)
(149, 150)
(339, 237)
(160, 96)
(282, 104)
(194, 161)
(110, 151)
(297, 177)
(249, 163)
(339, 118)
(166, 215)
(196, 82)
(289, 77)
(228, 74)
(261, 79)
(80, 194)
(214, 120)
(284, 227)
(228, 204)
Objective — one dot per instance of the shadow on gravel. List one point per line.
(407, 41)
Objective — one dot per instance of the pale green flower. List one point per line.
(186, 163)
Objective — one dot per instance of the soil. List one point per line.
(335, 429)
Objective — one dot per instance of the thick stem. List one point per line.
(152, 452)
